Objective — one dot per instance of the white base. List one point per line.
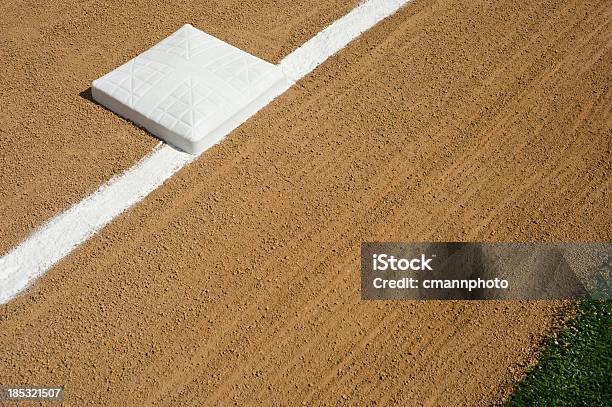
(191, 89)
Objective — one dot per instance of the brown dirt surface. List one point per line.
(237, 282)
(58, 145)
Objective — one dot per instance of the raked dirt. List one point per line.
(237, 282)
(57, 144)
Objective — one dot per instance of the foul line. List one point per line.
(66, 231)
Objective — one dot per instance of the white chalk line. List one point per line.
(62, 234)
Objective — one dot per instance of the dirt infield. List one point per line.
(237, 282)
(57, 145)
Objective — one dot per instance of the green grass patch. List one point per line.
(576, 362)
